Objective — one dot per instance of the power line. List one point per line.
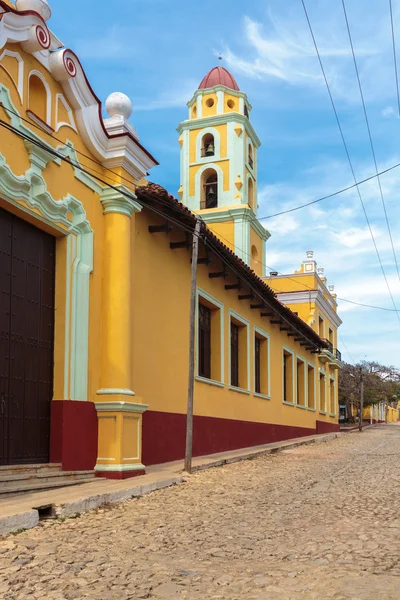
(394, 56)
(160, 200)
(341, 191)
(345, 347)
(370, 137)
(348, 156)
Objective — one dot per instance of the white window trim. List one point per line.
(332, 378)
(321, 372)
(246, 323)
(323, 325)
(202, 294)
(48, 94)
(266, 337)
(309, 364)
(304, 361)
(285, 348)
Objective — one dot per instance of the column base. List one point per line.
(120, 438)
(119, 471)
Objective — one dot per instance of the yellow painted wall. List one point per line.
(223, 165)
(60, 181)
(195, 133)
(209, 110)
(257, 257)
(161, 342)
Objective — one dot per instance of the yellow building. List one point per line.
(95, 277)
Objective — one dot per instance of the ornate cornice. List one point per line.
(221, 119)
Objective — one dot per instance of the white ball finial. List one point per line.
(39, 6)
(118, 104)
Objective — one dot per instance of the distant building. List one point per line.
(95, 269)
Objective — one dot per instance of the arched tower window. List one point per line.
(250, 192)
(254, 259)
(250, 154)
(207, 145)
(209, 189)
(194, 112)
(246, 112)
(38, 97)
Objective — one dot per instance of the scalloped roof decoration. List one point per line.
(112, 149)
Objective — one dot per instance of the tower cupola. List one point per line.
(219, 149)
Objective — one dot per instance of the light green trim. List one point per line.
(242, 239)
(263, 233)
(130, 407)
(67, 317)
(304, 361)
(119, 468)
(233, 388)
(114, 392)
(31, 188)
(115, 202)
(217, 146)
(221, 120)
(246, 323)
(294, 375)
(263, 396)
(69, 151)
(268, 340)
(202, 294)
(209, 381)
(309, 364)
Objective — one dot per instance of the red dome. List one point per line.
(218, 76)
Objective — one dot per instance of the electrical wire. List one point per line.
(348, 157)
(165, 203)
(370, 137)
(394, 55)
(345, 347)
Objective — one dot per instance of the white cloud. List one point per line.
(389, 112)
(353, 236)
(177, 96)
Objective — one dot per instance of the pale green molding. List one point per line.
(210, 121)
(68, 151)
(114, 392)
(289, 351)
(31, 189)
(114, 201)
(218, 305)
(245, 323)
(130, 407)
(267, 339)
(120, 468)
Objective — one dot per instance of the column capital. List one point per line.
(114, 201)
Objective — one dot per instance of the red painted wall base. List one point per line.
(324, 427)
(119, 474)
(73, 435)
(164, 435)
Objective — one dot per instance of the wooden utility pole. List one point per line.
(360, 420)
(189, 416)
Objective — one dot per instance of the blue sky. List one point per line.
(157, 53)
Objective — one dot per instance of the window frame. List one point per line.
(207, 329)
(321, 318)
(309, 364)
(304, 361)
(294, 376)
(244, 323)
(332, 379)
(218, 306)
(321, 372)
(257, 332)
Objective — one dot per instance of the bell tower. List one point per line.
(219, 166)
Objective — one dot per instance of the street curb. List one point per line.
(30, 518)
(256, 454)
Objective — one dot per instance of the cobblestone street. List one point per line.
(315, 522)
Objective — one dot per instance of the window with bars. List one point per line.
(288, 377)
(204, 341)
(234, 355)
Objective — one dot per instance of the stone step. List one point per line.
(40, 485)
(9, 470)
(44, 477)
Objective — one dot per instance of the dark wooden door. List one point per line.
(27, 268)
